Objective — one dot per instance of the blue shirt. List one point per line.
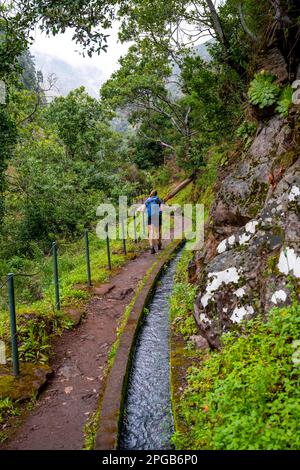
(153, 205)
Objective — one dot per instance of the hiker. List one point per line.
(154, 213)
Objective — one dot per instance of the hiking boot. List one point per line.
(152, 251)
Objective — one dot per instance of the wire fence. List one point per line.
(10, 284)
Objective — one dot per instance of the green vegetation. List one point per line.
(263, 90)
(91, 428)
(37, 319)
(247, 396)
(244, 397)
(182, 300)
(187, 112)
(126, 314)
(285, 101)
(8, 409)
(246, 130)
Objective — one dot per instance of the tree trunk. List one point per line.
(217, 26)
(179, 187)
(285, 33)
(216, 22)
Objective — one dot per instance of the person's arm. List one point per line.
(141, 208)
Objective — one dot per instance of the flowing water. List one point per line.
(147, 421)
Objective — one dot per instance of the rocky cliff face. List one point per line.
(251, 260)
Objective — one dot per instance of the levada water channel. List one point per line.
(147, 419)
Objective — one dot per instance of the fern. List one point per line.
(285, 101)
(246, 130)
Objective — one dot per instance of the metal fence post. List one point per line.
(108, 247)
(87, 255)
(123, 237)
(134, 221)
(13, 324)
(55, 272)
(144, 224)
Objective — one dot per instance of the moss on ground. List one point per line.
(21, 388)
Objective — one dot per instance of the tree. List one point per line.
(140, 85)
(13, 43)
(175, 25)
(7, 140)
(80, 121)
(185, 121)
(87, 19)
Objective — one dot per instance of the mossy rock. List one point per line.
(31, 379)
(272, 264)
(287, 159)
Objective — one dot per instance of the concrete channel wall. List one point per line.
(115, 391)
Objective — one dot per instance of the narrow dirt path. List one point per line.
(71, 396)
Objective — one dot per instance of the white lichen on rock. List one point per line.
(244, 238)
(231, 240)
(240, 292)
(240, 312)
(218, 278)
(251, 226)
(222, 246)
(204, 318)
(294, 193)
(279, 296)
(289, 262)
(225, 244)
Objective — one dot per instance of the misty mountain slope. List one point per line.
(68, 76)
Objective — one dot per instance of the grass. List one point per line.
(247, 396)
(8, 409)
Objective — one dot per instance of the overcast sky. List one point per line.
(57, 54)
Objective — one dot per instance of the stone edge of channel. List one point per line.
(113, 398)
